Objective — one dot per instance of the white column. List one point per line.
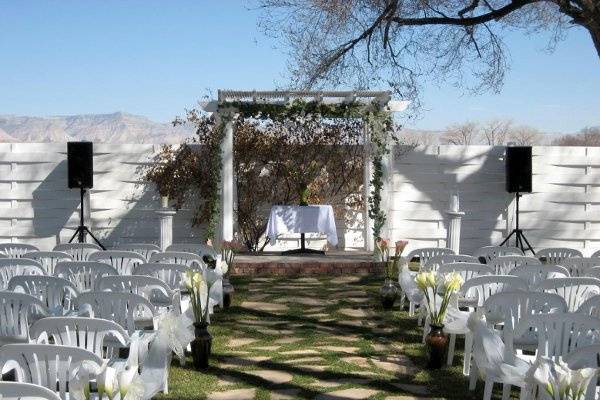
(165, 220)
(454, 221)
(226, 221)
(368, 173)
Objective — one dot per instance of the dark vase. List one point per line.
(388, 294)
(436, 346)
(227, 292)
(201, 346)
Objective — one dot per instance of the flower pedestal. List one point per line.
(201, 346)
(436, 346)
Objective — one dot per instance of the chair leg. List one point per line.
(411, 309)
(489, 387)
(451, 346)
(473, 378)
(505, 391)
(468, 349)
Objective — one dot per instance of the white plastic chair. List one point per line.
(83, 274)
(484, 286)
(11, 267)
(126, 309)
(536, 274)
(488, 253)
(579, 266)
(466, 271)
(575, 291)
(48, 259)
(586, 357)
(25, 391)
(171, 274)
(178, 257)
(558, 334)
(85, 333)
(57, 294)
(426, 253)
(434, 263)
(15, 311)
(149, 287)
(508, 308)
(145, 249)
(123, 261)
(590, 307)
(50, 366)
(503, 264)
(196, 248)
(593, 272)
(554, 255)
(16, 250)
(79, 251)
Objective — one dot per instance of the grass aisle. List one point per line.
(306, 338)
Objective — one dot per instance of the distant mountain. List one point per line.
(100, 128)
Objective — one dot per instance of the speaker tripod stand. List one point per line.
(520, 239)
(82, 229)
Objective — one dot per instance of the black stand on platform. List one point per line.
(302, 249)
(82, 230)
(520, 239)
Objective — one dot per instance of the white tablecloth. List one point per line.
(302, 219)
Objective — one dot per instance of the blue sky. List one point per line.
(155, 58)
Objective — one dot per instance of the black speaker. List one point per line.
(80, 165)
(518, 169)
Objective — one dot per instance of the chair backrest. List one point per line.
(578, 266)
(575, 291)
(482, 287)
(123, 261)
(145, 249)
(510, 307)
(466, 270)
(85, 333)
(554, 255)
(590, 307)
(29, 391)
(149, 287)
(10, 267)
(196, 248)
(15, 309)
(46, 365)
(171, 274)
(79, 251)
(535, 274)
(52, 291)
(435, 262)
(558, 334)
(16, 250)
(178, 257)
(83, 274)
(120, 307)
(503, 264)
(426, 253)
(488, 253)
(48, 259)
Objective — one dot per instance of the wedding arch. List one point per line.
(375, 108)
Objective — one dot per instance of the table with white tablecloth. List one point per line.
(302, 220)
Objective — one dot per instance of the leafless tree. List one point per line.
(589, 136)
(461, 134)
(524, 136)
(393, 43)
(495, 132)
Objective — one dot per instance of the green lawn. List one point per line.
(310, 336)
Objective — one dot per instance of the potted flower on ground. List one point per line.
(228, 252)
(389, 291)
(438, 291)
(199, 285)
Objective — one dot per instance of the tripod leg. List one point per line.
(505, 241)
(75, 234)
(528, 244)
(94, 237)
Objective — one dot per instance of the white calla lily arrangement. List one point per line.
(199, 285)
(558, 380)
(438, 290)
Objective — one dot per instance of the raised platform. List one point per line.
(332, 263)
